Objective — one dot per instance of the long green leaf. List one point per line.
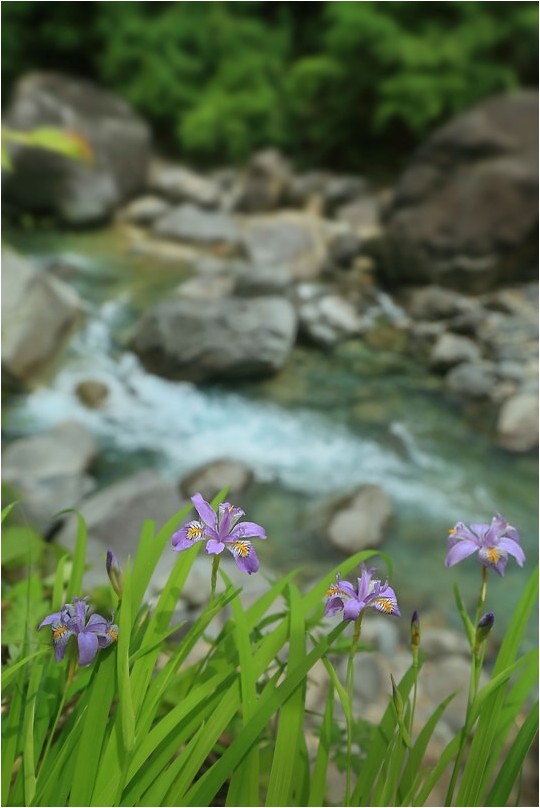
(509, 771)
(318, 781)
(282, 775)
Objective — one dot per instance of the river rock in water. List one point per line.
(49, 470)
(181, 184)
(78, 192)
(465, 212)
(212, 477)
(517, 427)
(359, 520)
(37, 312)
(451, 349)
(216, 339)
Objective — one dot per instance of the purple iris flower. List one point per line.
(74, 619)
(368, 592)
(221, 529)
(493, 543)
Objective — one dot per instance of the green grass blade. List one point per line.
(89, 749)
(317, 790)
(467, 623)
(509, 771)
(514, 635)
(58, 599)
(10, 674)
(448, 754)
(124, 683)
(244, 786)
(7, 510)
(206, 788)
(418, 750)
(29, 761)
(282, 774)
(379, 743)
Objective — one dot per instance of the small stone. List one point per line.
(452, 349)
(360, 521)
(145, 210)
(212, 477)
(92, 393)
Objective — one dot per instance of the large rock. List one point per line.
(37, 312)
(78, 193)
(517, 427)
(328, 319)
(465, 212)
(216, 339)
(50, 470)
(295, 240)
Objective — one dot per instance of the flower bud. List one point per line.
(415, 634)
(115, 574)
(485, 624)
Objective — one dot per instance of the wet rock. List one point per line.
(359, 521)
(212, 477)
(207, 287)
(342, 189)
(195, 225)
(181, 184)
(37, 312)
(49, 471)
(328, 319)
(342, 252)
(440, 228)
(92, 393)
(265, 182)
(78, 192)
(474, 380)
(294, 240)
(452, 349)
(228, 338)
(145, 210)
(362, 215)
(517, 426)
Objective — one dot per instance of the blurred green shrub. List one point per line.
(330, 83)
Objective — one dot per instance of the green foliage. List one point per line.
(331, 83)
(151, 723)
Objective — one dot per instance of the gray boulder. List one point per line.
(291, 239)
(198, 226)
(49, 471)
(37, 312)
(77, 192)
(465, 212)
(475, 380)
(216, 339)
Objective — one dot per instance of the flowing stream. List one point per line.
(326, 423)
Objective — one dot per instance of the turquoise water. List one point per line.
(326, 423)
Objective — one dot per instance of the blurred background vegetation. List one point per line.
(218, 80)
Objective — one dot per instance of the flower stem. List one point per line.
(477, 662)
(213, 580)
(350, 694)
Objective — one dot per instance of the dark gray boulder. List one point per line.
(77, 192)
(465, 212)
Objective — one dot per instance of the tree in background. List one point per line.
(330, 83)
